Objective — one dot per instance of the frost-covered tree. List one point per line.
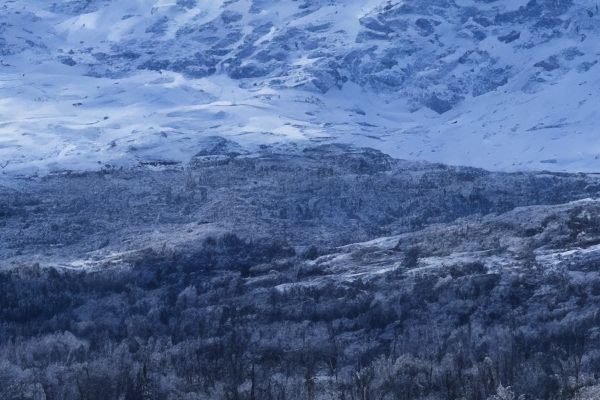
(503, 393)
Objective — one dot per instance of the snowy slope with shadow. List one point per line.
(509, 85)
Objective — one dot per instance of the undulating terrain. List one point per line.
(299, 200)
(328, 272)
(499, 84)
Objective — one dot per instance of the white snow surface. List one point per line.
(85, 84)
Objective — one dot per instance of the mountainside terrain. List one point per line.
(497, 84)
(329, 272)
(299, 200)
(327, 195)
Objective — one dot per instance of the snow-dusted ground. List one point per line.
(73, 97)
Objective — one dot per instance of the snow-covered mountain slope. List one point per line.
(509, 84)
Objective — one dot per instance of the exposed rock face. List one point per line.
(90, 83)
(432, 53)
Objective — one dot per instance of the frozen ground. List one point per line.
(323, 196)
(510, 86)
(179, 275)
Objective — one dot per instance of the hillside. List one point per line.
(299, 200)
(329, 273)
(507, 85)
